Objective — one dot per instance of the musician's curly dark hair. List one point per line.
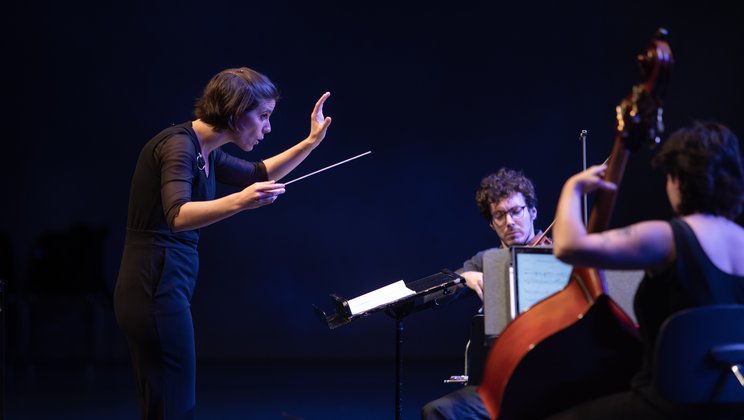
(230, 94)
(501, 185)
(706, 160)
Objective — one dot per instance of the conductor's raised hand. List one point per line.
(318, 122)
(260, 194)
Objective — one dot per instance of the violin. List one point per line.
(578, 344)
(542, 238)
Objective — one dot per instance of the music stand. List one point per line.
(398, 300)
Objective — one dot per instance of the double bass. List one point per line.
(578, 344)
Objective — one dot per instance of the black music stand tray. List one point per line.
(424, 294)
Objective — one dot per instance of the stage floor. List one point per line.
(272, 390)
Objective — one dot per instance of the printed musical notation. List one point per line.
(537, 277)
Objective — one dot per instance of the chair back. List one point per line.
(700, 355)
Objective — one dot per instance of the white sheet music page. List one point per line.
(379, 297)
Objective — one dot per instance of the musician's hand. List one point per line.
(591, 179)
(474, 280)
(260, 194)
(319, 123)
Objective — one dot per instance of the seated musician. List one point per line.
(691, 260)
(507, 201)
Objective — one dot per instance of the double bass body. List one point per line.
(562, 351)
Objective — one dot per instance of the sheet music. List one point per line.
(539, 276)
(379, 297)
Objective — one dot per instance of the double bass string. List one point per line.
(328, 167)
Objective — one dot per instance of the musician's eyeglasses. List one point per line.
(499, 217)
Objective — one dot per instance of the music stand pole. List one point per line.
(398, 367)
(2, 349)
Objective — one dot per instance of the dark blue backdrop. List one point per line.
(442, 95)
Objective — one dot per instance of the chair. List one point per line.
(700, 356)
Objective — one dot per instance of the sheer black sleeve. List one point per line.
(237, 172)
(177, 156)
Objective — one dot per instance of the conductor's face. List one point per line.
(254, 125)
(512, 220)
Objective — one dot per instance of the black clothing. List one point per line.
(159, 267)
(693, 280)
